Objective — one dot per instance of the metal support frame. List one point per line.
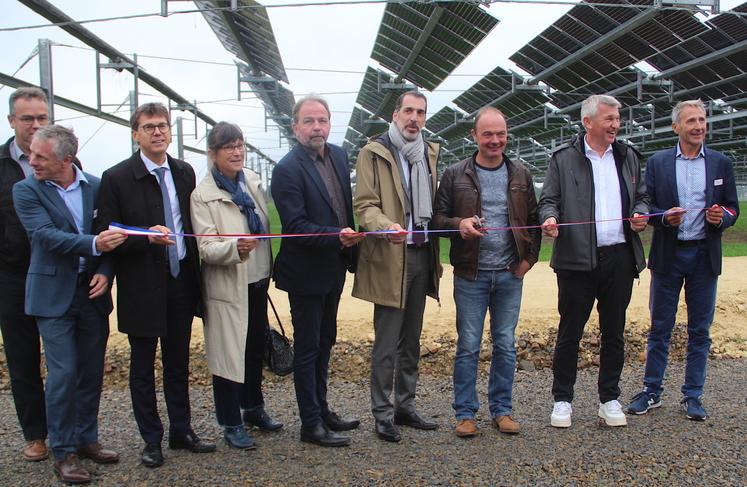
(45, 74)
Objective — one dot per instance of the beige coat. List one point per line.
(225, 276)
(379, 202)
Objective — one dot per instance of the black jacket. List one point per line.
(130, 195)
(14, 243)
(568, 195)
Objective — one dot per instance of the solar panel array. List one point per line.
(247, 33)
(422, 43)
(648, 58)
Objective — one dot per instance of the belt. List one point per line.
(416, 246)
(610, 248)
(690, 243)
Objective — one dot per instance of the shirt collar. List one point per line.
(79, 179)
(152, 166)
(15, 151)
(700, 154)
(314, 155)
(588, 149)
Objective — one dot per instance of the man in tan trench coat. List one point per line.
(396, 185)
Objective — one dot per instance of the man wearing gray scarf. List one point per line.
(395, 187)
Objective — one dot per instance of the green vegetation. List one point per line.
(734, 242)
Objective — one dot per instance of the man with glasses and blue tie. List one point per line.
(158, 278)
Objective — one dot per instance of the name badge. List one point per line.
(718, 182)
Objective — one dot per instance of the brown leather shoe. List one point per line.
(466, 428)
(71, 471)
(35, 450)
(97, 453)
(507, 425)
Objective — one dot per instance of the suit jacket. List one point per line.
(310, 265)
(14, 244)
(56, 246)
(131, 195)
(661, 181)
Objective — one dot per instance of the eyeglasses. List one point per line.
(29, 119)
(150, 128)
(233, 148)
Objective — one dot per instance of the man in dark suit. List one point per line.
(67, 291)
(157, 278)
(694, 186)
(311, 189)
(28, 112)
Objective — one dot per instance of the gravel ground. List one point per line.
(659, 448)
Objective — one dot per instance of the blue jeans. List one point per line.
(499, 291)
(691, 266)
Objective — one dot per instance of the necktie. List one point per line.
(169, 218)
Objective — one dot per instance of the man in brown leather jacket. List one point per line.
(481, 197)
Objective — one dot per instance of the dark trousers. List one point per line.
(175, 360)
(22, 354)
(691, 267)
(231, 397)
(314, 334)
(396, 349)
(611, 285)
(74, 346)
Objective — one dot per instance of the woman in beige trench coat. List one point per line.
(235, 277)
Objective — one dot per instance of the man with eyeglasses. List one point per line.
(28, 112)
(158, 278)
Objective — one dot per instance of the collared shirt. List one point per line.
(607, 198)
(176, 212)
(22, 159)
(405, 172)
(73, 198)
(691, 187)
(327, 172)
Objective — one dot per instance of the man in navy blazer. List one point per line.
(311, 190)
(67, 291)
(694, 188)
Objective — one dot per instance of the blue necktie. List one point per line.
(169, 217)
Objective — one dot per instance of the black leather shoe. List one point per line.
(386, 430)
(414, 420)
(152, 456)
(260, 419)
(336, 423)
(320, 435)
(190, 441)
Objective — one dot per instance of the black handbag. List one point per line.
(278, 349)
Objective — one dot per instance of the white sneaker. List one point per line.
(561, 414)
(612, 414)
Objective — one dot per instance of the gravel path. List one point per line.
(659, 448)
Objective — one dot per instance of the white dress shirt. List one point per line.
(607, 198)
(22, 159)
(176, 212)
(406, 183)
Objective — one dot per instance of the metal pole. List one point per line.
(136, 74)
(45, 73)
(133, 107)
(179, 138)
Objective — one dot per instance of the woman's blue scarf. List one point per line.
(242, 199)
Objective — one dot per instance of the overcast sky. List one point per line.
(338, 37)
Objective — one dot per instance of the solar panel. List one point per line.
(425, 42)
(246, 33)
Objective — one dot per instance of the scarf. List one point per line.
(240, 197)
(420, 181)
